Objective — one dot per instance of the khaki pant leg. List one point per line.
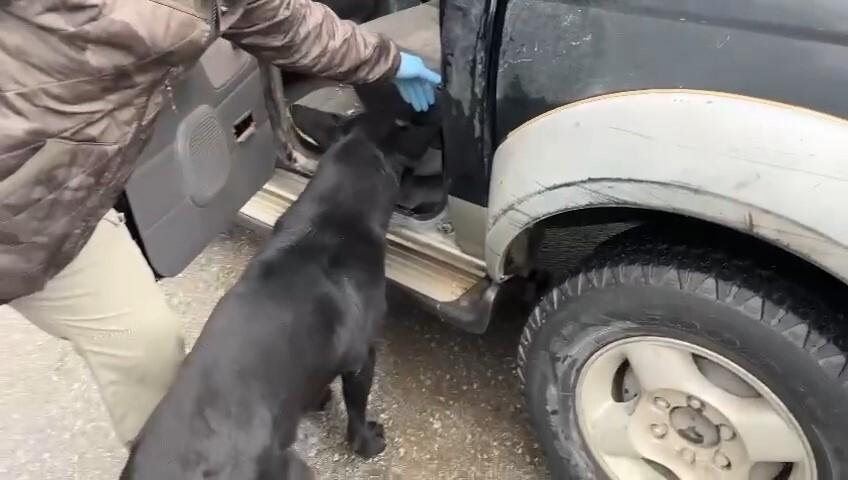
(108, 305)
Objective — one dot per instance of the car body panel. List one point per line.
(553, 53)
(774, 171)
(469, 226)
(466, 31)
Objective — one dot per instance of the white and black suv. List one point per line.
(689, 157)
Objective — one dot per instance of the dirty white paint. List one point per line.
(773, 170)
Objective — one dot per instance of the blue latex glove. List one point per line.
(416, 83)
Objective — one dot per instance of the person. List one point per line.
(80, 88)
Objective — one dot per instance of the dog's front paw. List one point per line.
(369, 441)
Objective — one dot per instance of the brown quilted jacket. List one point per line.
(81, 82)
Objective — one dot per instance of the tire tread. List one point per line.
(641, 256)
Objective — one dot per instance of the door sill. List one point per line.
(419, 257)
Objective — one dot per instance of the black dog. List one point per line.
(306, 310)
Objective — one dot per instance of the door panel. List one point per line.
(210, 152)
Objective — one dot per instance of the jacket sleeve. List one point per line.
(307, 37)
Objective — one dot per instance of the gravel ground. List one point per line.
(449, 400)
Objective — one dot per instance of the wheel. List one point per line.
(668, 360)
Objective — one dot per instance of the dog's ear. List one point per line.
(317, 129)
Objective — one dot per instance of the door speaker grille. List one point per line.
(205, 157)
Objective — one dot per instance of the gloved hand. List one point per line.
(416, 82)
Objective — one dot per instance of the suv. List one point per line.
(664, 173)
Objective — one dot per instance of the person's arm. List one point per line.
(307, 37)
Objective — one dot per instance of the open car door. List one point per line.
(211, 150)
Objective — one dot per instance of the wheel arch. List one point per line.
(766, 171)
(581, 232)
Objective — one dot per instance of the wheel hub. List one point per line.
(682, 426)
(685, 432)
(694, 427)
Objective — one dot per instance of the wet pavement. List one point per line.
(449, 400)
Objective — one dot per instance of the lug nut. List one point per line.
(721, 461)
(695, 403)
(659, 430)
(687, 455)
(661, 403)
(726, 432)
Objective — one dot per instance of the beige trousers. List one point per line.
(108, 305)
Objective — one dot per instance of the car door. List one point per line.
(211, 150)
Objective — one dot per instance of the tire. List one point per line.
(644, 286)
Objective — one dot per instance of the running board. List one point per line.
(419, 256)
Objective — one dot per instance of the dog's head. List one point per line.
(403, 139)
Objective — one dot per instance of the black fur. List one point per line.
(306, 310)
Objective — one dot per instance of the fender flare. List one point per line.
(774, 171)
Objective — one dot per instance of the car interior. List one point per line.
(414, 27)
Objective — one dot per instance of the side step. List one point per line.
(420, 257)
